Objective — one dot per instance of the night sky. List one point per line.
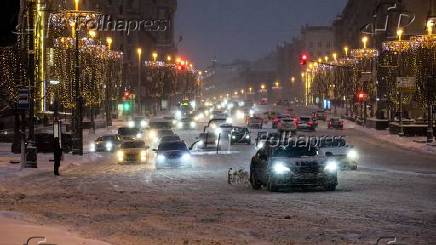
(245, 29)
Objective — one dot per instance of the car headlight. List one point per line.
(178, 115)
(131, 124)
(233, 137)
(240, 115)
(352, 155)
(186, 157)
(260, 145)
(120, 156)
(92, 147)
(144, 124)
(247, 136)
(229, 120)
(193, 124)
(218, 131)
(138, 135)
(331, 166)
(143, 156)
(108, 146)
(161, 158)
(179, 125)
(174, 122)
(280, 168)
(152, 134)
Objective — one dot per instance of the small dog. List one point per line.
(237, 177)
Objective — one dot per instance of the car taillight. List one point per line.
(310, 123)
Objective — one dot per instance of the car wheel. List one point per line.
(270, 185)
(253, 181)
(331, 187)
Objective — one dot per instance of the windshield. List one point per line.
(170, 138)
(332, 143)
(132, 144)
(128, 131)
(158, 125)
(294, 151)
(173, 146)
(108, 138)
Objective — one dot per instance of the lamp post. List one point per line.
(109, 42)
(400, 93)
(78, 95)
(364, 41)
(138, 92)
(346, 51)
(430, 79)
(154, 55)
(108, 88)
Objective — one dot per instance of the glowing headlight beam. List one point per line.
(280, 168)
(331, 166)
(352, 155)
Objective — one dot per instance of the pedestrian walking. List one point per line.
(57, 156)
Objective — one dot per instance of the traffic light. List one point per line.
(361, 96)
(303, 59)
(126, 95)
(126, 106)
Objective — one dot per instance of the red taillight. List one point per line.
(310, 123)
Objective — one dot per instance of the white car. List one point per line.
(134, 151)
(346, 155)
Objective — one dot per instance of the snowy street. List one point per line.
(390, 194)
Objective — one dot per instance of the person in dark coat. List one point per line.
(57, 156)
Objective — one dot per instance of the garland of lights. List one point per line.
(95, 63)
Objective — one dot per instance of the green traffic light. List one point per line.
(126, 106)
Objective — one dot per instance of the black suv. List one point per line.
(292, 165)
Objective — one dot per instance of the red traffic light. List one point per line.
(303, 59)
(361, 96)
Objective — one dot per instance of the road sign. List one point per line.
(23, 99)
(406, 84)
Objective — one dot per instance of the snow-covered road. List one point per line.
(391, 194)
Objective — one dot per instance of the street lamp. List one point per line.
(169, 58)
(346, 51)
(364, 41)
(293, 79)
(400, 33)
(76, 5)
(326, 58)
(430, 25)
(138, 94)
(92, 34)
(154, 55)
(109, 42)
(335, 56)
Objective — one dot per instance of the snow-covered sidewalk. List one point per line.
(15, 230)
(10, 166)
(411, 143)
